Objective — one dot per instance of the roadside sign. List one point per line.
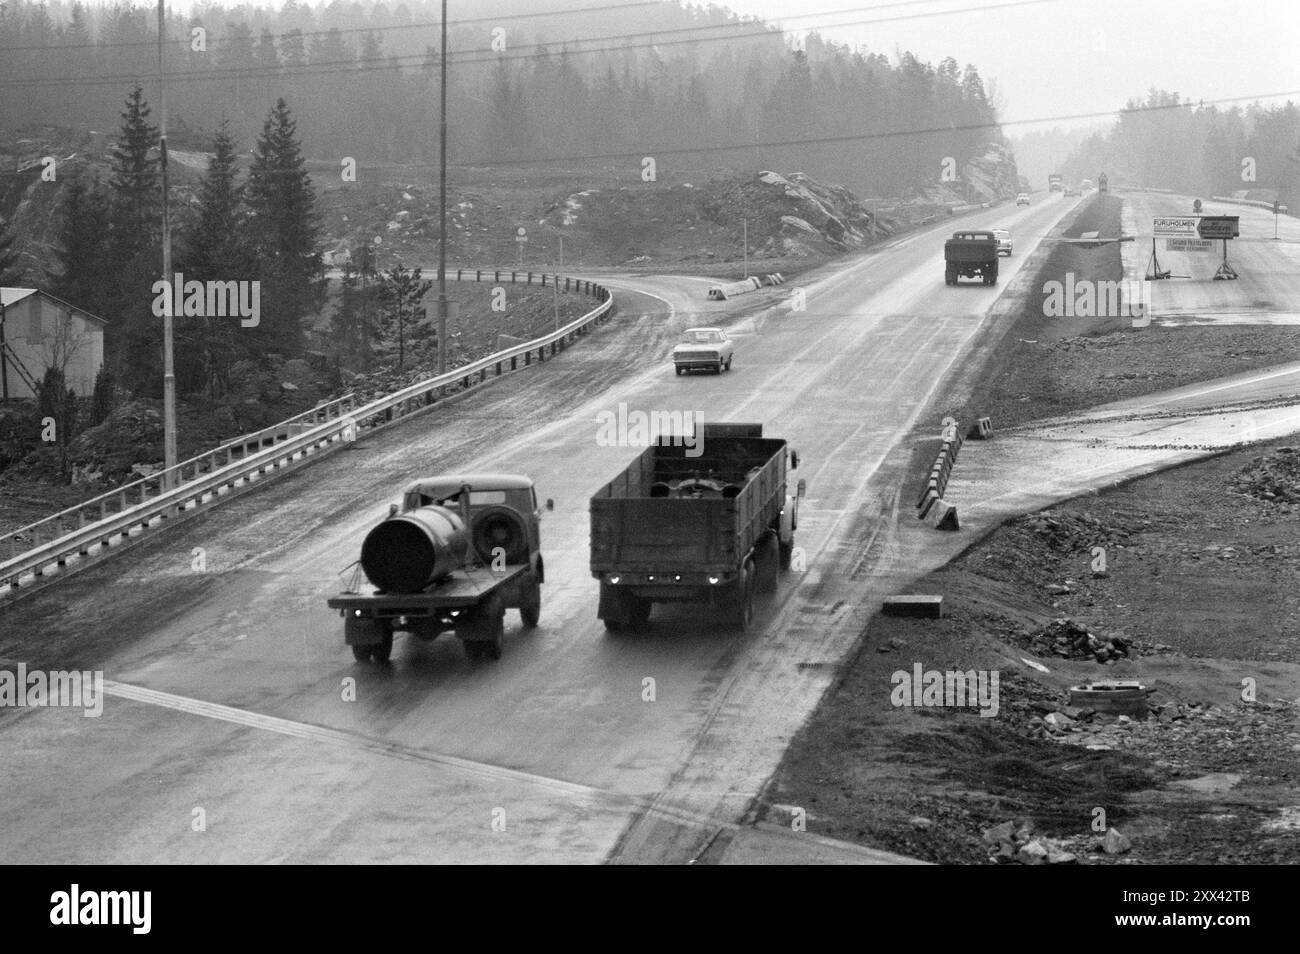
(1189, 245)
(1218, 227)
(1174, 227)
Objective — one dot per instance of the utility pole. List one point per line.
(744, 225)
(169, 363)
(4, 357)
(442, 203)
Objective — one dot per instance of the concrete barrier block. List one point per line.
(931, 487)
(924, 605)
(943, 516)
(927, 502)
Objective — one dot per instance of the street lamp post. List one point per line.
(169, 364)
(442, 203)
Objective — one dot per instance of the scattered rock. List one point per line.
(1115, 843)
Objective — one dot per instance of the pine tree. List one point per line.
(401, 294)
(82, 248)
(283, 232)
(135, 173)
(215, 251)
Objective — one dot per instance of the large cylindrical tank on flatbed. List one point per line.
(409, 551)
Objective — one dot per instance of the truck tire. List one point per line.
(530, 611)
(679, 370)
(638, 612)
(361, 653)
(729, 360)
(717, 368)
(787, 554)
(487, 629)
(767, 564)
(950, 276)
(741, 611)
(381, 652)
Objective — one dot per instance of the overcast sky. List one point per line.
(1059, 57)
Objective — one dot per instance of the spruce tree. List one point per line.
(135, 172)
(215, 251)
(283, 232)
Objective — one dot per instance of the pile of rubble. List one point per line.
(1272, 477)
(1012, 843)
(1070, 532)
(1069, 639)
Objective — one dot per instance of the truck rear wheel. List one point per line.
(950, 276)
(484, 635)
(638, 612)
(531, 610)
(767, 560)
(361, 653)
(741, 612)
(381, 652)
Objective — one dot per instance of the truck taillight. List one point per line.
(615, 578)
(713, 581)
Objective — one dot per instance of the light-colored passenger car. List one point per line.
(1004, 241)
(703, 348)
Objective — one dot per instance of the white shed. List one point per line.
(38, 332)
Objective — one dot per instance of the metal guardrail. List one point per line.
(1257, 203)
(129, 511)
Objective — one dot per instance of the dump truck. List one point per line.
(971, 254)
(453, 556)
(1055, 182)
(709, 520)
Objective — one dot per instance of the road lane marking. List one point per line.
(396, 750)
(351, 740)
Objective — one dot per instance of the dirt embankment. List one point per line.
(1185, 581)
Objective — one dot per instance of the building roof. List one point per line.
(12, 296)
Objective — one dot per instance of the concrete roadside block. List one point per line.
(931, 490)
(942, 516)
(913, 604)
(926, 503)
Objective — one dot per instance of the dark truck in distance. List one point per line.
(457, 553)
(971, 254)
(712, 528)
